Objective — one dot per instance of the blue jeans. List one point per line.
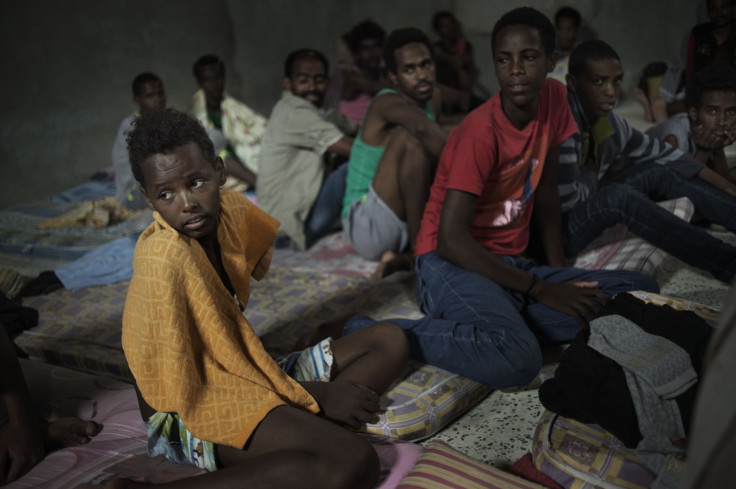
(478, 329)
(629, 200)
(326, 209)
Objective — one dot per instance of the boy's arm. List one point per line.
(713, 178)
(234, 167)
(344, 402)
(342, 146)
(709, 151)
(396, 111)
(547, 209)
(454, 100)
(456, 245)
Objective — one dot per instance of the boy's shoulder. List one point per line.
(554, 91)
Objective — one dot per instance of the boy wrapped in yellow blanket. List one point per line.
(209, 392)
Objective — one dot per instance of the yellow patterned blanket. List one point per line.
(185, 338)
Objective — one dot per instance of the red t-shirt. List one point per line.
(488, 157)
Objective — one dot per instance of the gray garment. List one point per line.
(372, 227)
(657, 371)
(679, 126)
(126, 186)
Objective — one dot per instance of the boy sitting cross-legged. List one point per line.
(209, 392)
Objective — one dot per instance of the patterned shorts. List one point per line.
(168, 436)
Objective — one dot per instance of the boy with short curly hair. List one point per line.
(209, 392)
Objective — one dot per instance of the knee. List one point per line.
(622, 198)
(391, 339)
(519, 370)
(511, 362)
(412, 148)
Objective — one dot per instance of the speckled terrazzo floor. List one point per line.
(499, 430)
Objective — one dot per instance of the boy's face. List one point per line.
(415, 71)
(212, 82)
(598, 87)
(720, 12)
(566, 32)
(717, 113)
(151, 98)
(521, 66)
(308, 80)
(447, 28)
(369, 53)
(184, 187)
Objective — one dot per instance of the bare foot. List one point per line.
(69, 432)
(659, 108)
(392, 262)
(644, 101)
(329, 329)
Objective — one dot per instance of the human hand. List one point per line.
(707, 139)
(580, 299)
(345, 402)
(21, 448)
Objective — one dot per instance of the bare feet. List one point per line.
(392, 262)
(659, 108)
(330, 329)
(69, 432)
(644, 101)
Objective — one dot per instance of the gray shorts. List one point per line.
(372, 227)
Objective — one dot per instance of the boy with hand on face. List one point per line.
(709, 125)
(592, 202)
(209, 392)
(485, 304)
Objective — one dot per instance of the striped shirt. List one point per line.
(608, 139)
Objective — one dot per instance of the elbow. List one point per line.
(446, 247)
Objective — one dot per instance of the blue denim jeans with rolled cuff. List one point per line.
(481, 330)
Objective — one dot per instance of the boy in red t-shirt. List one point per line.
(484, 304)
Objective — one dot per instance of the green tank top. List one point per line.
(363, 163)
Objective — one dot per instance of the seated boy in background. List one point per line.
(485, 304)
(241, 126)
(210, 393)
(567, 26)
(365, 77)
(593, 201)
(394, 156)
(709, 125)
(149, 96)
(295, 184)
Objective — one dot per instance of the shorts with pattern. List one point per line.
(168, 436)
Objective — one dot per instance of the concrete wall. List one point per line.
(67, 66)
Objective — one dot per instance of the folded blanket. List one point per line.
(186, 340)
(97, 213)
